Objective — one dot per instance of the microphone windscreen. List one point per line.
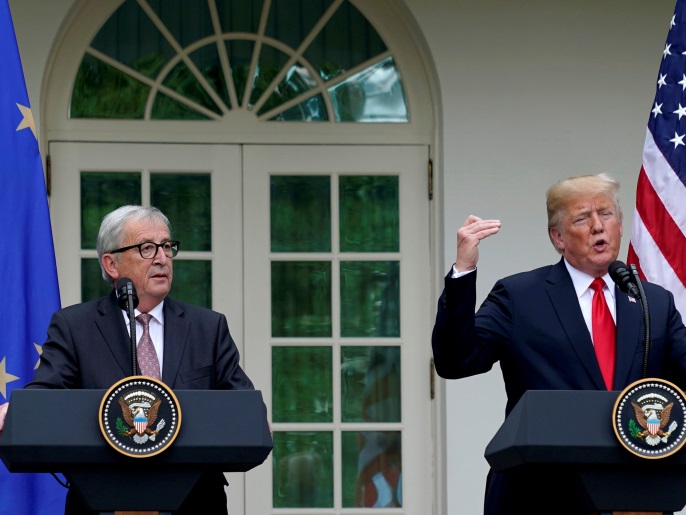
(122, 282)
(622, 277)
(124, 286)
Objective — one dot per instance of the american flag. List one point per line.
(658, 242)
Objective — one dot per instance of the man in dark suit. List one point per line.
(88, 344)
(537, 325)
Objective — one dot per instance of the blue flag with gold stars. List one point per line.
(28, 274)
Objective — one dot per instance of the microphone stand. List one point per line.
(646, 318)
(132, 327)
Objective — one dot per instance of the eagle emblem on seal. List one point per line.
(652, 415)
(139, 410)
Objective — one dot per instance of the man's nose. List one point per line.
(160, 256)
(596, 222)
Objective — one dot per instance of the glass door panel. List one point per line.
(300, 213)
(370, 384)
(101, 193)
(369, 213)
(370, 298)
(302, 379)
(372, 469)
(187, 201)
(303, 469)
(301, 298)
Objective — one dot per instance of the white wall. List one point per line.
(533, 91)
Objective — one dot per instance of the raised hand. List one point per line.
(473, 230)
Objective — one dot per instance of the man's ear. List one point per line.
(556, 236)
(110, 266)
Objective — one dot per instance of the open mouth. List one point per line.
(600, 244)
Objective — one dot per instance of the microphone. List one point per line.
(128, 301)
(126, 294)
(630, 282)
(623, 278)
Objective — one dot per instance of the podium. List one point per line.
(573, 429)
(58, 431)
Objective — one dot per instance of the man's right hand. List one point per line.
(469, 235)
(3, 414)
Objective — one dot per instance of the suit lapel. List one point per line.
(629, 336)
(176, 328)
(563, 297)
(112, 327)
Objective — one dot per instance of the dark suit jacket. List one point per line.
(88, 346)
(531, 323)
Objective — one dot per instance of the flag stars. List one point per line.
(27, 121)
(661, 80)
(39, 350)
(5, 378)
(683, 82)
(681, 111)
(678, 140)
(666, 51)
(673, 22)
(657, 109)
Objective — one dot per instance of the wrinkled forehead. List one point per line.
(588, 203)
(145, 230)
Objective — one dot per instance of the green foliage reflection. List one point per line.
(302, 384)
(303, 469)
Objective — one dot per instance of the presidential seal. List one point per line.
(648, 418)
(140, 416)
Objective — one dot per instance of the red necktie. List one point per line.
(603, 333)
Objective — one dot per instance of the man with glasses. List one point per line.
(88, 344)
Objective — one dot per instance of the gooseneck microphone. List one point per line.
(128, 301)
(629, 282)
(623, 278)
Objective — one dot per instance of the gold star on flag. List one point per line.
(5, 378)
(27, 122)
(39, 350)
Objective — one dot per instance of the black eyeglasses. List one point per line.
(148, 249)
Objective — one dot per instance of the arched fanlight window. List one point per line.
(283, 60)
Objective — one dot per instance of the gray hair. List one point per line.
(559, 194)
(111, 233)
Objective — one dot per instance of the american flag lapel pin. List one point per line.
(631, 299)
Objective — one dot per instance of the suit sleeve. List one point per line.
(229, 374)
(461, 346)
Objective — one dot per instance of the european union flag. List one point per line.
(28, 274)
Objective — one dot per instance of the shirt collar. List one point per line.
(582, 280)
(157, 312)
